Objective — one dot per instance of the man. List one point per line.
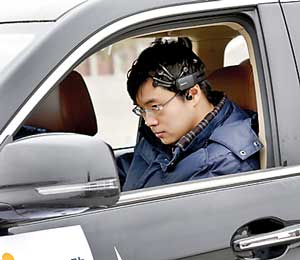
(190, 132)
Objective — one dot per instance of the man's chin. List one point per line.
(167, 141)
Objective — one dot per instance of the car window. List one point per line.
(107, 108)
(99, 103)
(229, 69)
(105, 74)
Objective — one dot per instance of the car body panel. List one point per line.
(35, 11)
(285, 84)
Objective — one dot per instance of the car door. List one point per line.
(203, 219)
(186, 221)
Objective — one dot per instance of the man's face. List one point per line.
(173, 121)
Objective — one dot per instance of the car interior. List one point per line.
(69, 107)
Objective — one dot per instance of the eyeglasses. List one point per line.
(153, 110)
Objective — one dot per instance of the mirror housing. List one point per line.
(56, 174)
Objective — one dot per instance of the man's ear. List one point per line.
(194, 93)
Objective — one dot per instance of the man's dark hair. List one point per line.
(175, 57)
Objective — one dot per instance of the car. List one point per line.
(65, 117)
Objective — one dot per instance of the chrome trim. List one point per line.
(102, 185)
(286, 236)
(224, 182)
(288, 1)
(109, 30)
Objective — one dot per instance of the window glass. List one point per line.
(105, 74)
(236, 51)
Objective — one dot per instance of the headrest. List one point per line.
(237, 83)
(68, 108)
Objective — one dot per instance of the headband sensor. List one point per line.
(189, 81)
(182, 83)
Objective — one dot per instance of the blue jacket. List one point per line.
(227, 145)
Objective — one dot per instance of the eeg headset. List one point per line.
(181, 83)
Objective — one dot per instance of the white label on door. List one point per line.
(67, 243)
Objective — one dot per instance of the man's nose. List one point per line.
(150, 120)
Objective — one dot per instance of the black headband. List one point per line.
(181, 83)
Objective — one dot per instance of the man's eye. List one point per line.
(155, 107)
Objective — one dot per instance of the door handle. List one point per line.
(287, 235)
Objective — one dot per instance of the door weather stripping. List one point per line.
(102, 185)
(288, 235)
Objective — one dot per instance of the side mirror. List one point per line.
(55, 174)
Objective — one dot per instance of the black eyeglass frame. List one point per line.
(141, 112)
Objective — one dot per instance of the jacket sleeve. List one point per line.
(123, 163)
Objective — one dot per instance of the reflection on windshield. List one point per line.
(12, 45)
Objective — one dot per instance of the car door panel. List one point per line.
(194, 226)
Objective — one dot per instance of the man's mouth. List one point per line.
(159, 134)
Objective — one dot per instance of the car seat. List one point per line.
(238, 84)
(68, 108)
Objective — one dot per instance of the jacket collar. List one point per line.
(204, 135)
(201, 139)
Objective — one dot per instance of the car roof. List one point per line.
(35, 10)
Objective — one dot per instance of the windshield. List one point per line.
(15, 38)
